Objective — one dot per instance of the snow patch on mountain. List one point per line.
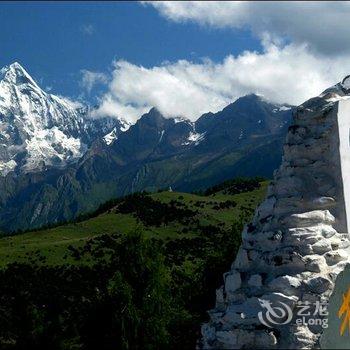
(161, 136)
(111, 137)
(124, 125)
(52, 147)
(194, 138)
(6, 167)
(281, 109)
(182, 120)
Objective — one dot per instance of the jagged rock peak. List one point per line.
(156, 115)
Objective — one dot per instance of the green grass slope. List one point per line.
(50, 246)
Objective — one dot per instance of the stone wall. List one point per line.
(296, 244)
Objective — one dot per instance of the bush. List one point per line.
(235, 186)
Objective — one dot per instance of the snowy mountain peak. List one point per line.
(16, 74)
(37, 128)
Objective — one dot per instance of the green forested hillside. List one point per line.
(138, 273)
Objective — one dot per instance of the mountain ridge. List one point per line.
(244, 139)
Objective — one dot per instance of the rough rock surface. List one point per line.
(295, 247)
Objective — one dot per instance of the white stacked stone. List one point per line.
(294, 249)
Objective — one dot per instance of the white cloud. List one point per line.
(290, 74)
(323, 25)
(90, 79)
(87, 29)
(305, 50)
(112, 107)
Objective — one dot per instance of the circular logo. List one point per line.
(274, 315)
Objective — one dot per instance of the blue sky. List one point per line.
(55, 41)
(185, 58)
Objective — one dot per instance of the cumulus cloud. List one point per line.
(290, 74)
(90, 79)
(305, 50)
(323, 25)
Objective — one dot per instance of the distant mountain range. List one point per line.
(56, 161)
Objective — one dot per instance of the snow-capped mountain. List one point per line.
(38, 129)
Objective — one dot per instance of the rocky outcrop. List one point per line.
(296, 245)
